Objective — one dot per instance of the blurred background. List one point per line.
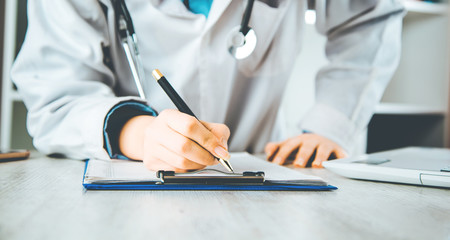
(414, 109)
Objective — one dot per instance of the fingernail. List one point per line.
(317, 165)
(222, 153)
(225, 143)
(299, 163)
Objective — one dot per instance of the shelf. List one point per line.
(408, 109)
(425, 7)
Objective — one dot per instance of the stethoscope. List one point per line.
(241, 40)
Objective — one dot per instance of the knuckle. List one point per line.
(185, 146)
(190, 125)
(210, 143)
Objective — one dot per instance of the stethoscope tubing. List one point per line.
(128, 39)
(246, 17)
(121, 11)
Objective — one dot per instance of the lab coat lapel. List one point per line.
(217, 9)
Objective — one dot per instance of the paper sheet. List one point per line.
(113, 171)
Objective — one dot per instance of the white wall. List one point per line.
(422, 76)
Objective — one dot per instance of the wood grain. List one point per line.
(42, 198)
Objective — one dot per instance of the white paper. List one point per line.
(113, 171)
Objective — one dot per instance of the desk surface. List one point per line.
(42, 198)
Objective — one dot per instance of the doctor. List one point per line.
(82, 101)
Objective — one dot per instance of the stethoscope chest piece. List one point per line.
(242, 39)
(241, 46)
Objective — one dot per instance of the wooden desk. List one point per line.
(42, 198)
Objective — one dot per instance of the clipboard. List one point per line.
(132, 175)
(246, 178)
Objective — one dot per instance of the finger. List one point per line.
(285, 149)
(340, 152)
(304, 154)
(270, 150)
(186, 148)
(157, 157)
(191, 128)
(322, 154)
(221, 131)
(178, 161)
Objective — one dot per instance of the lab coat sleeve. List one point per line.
(116, 119)
(363, 48)
(60, 74)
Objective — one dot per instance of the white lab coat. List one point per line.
(68, 89)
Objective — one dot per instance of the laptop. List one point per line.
(411, 165)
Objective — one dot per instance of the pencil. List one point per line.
(181, 105)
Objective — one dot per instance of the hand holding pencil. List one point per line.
(175, 140)
(182, 106)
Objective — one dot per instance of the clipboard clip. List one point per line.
(246, 178)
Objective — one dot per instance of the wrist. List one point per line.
(132, 134)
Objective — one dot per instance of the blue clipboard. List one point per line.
(202, 187)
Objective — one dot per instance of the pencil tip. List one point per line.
(226, 164)
(157, 74)
(230, 168)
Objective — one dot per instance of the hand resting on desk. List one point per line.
(174, 141)
(301, 148)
